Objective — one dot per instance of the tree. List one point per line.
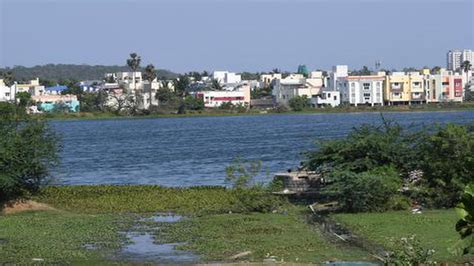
(276, 71)
(150, 75)
(192, 103)
(181, 84)
(134, 63)
(299, 103)
(23, 99)
(8, 78)
(215, 85)
(435, 69)
(28, 150)
(466, 67)
(241, 174)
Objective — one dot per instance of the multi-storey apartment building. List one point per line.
(239, 96)
(454, 58)
(445, 86)
(362, 90)
(404, 88)
(267, 79)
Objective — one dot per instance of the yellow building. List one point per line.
(404, 88)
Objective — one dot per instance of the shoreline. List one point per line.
(352, 110)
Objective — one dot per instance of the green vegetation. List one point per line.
(285, 236)
(51, 73)
(28, 148)
(145, 199)
(220, 226)
(299, 103)
(57, 237)
(443, 157)
(433, 228)
(465, 225)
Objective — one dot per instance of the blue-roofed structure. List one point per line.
(56, 89)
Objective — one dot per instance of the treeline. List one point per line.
(57, 72)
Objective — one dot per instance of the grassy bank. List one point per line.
(219, 112)
(220, 223)
(434, 228)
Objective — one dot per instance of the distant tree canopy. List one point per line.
(53, 73)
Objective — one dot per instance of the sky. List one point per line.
(235, 35)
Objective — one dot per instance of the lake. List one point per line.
(195, 151)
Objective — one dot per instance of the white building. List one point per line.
(212, 99)
(267, 79)
(6, 93)
(296, 85)
(326, 98)
(361, 90)
(225, 77)
(456, 57)
(338, 72)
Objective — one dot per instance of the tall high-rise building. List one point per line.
(456, 57)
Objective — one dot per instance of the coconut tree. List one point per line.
(466, 67)
(150, 75)
(134, 63)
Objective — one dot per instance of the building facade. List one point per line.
(445, 86)
(213, 99)
(54, 102)
(404, 88)
(455, 58)
(361, 90)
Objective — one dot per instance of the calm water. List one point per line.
(195, 151)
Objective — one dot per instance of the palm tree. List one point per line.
(134, 63)
(466, 67)
(150, 75)
(215, 85)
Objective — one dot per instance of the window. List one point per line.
(366, 86)
(366, 94)
(335, 97)
(7, 94)
(445, 83)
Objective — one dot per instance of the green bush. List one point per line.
(444, 155)
(398, 203)
(367, 191)
(299, 103)
(256, 200)
(28, 148)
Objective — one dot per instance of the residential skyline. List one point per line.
(236, 35)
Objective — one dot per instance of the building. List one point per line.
(54, 90)
(225, 77)
(56, 102)
(338, 72)
(295, 85)
(267, 79)
(326, 98)
(362, 90)
(445, 86)
(6, 94)
(212, 99)
(404, 88)
(455, 58)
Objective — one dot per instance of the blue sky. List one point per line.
(245, 35)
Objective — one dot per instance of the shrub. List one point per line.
(256, 200)
(367, 191)
(299, 103)
(408, 251)
(28, 148)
